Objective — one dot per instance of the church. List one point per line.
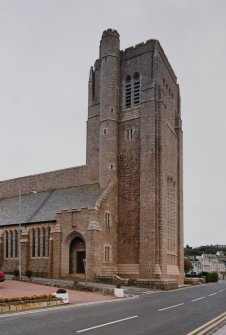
(121, 213)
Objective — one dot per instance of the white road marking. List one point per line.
(163, 309)
(210, 295)
(220, 291)
(106, 324)
(198, 299)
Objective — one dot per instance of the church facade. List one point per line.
(122, 212)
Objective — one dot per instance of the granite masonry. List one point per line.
(122, 212)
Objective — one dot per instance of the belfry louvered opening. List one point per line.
(136, 89)
(128, 92)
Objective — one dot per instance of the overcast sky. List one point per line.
(46, 50)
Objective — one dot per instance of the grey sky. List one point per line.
(47, 47)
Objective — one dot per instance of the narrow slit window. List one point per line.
(39, 243)
(129, 134)
(48, 238)
(107, 219)
(107, 254)
(6, 244)
(43, 242)
(11, 244)
(16, 243)
(33, 242)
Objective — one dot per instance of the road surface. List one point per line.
(161, 313)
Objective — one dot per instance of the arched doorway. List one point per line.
(77, 256)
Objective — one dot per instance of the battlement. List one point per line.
(138, 49)
(110, 32)
(149, 45)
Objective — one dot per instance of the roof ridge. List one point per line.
(105, 193)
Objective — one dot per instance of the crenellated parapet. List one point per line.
(110, 32)
(138, 49)
(141, 48)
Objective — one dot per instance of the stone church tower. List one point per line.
(134, 98)
(133, 226)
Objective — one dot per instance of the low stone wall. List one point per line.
(164, 285)
(143, 283)
(194, 281)
(28, 304)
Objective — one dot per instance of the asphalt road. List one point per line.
(163, 313)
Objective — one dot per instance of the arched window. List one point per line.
(16, 243)
(11, 243)
(43, 242)
(6, 244)
(136, 89)
(38, 243)
(128, 92)
(48, 238)
(33, 242)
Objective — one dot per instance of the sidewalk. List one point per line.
(12, 288)
(65, 282)
(221, 331)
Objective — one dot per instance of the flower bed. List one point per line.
(26, 302)
(22, 298)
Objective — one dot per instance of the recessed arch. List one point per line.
(77, 252)
(136, 76)
(128, 78)
(72, 235)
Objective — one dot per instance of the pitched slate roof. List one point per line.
(43, 206)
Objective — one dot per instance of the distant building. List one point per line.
(208, 263)
(121, 213)
(220, 254)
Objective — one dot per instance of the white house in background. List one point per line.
(209, 263)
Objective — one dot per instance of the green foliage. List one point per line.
(28, 273)
(211, 277)
(26, 298)
(61, 290)
(118, 284)
(16, 273)
(204, 249)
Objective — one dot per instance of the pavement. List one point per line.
(221, 331)
(13, 288)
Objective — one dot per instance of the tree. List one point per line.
(187, 265)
